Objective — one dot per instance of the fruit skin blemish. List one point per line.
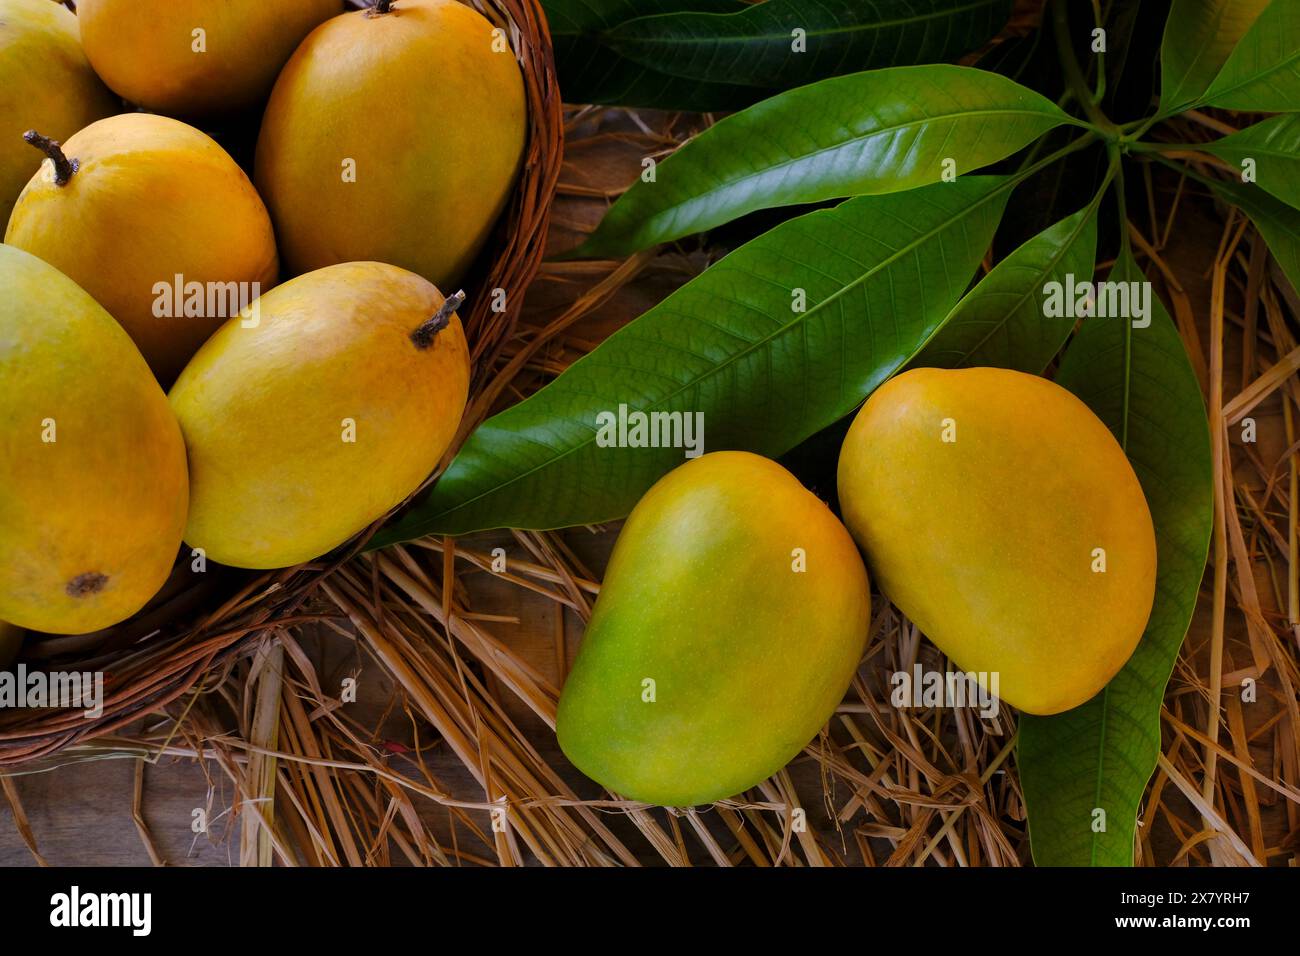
(93, 465)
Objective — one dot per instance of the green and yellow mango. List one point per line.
(731, 620)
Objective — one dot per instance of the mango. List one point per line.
(731, 620)
(394, 134)
(196, 57)
(1001, 515)
(46, 82)
(318, 410)
(11, 640)
(154, 220)
(91, 459)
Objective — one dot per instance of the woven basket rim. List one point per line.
(158, 655)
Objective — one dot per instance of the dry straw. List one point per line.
(459, 765)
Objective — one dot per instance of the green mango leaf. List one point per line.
(721, 54)
(1002, 322)
(1277, 222)
(591, 71)
(1274, 145)
(776, 341)
(1199, 37)
(1101, 754)
(878, 132)
(1263, 72)
(761, 46)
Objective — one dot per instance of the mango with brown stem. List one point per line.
(46, 82)
(318, 410)
(157, 222)
(386, 124)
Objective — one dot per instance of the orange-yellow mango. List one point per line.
(195, 57)
(393, 136)
(1002, 516)
(151, 199)
(317, 411)
(92, 465)
(46, 83)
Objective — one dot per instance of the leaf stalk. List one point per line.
(1074, 77)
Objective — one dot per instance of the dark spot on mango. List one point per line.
(84, 585)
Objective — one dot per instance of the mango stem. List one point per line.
(423, 336)
(63, 167)
(381, 7)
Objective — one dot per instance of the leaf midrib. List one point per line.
(1123, 444)
(1213, 94)
(668, 211)
(1289, 154)
(1176, 89)
(1095, 841)
(780, 330)
(1239, 141)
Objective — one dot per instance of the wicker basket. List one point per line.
(201, 621)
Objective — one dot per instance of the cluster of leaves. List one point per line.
(884, 276)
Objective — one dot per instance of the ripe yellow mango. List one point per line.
(91, 459)
(195, 57)
(322, 407)
(394, 136)
(1000, 515)
(732, 617)
(45, 82)
(133, 202)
